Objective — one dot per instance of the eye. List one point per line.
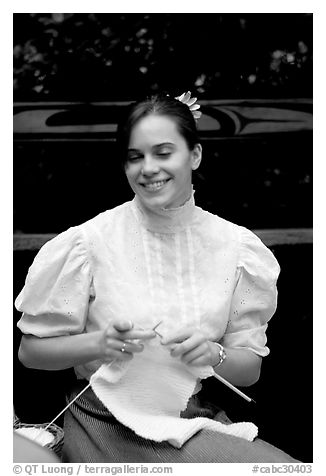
(163, 153)
(134, 157)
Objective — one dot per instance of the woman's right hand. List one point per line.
(63, 352)
(120, 340)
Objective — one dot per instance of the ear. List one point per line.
(196, 157)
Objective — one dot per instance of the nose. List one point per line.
(149, 166)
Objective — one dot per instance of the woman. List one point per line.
(95, 293)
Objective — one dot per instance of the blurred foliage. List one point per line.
(105, 56)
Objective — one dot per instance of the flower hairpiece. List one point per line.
(186, 98)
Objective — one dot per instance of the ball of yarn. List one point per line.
(36, 434)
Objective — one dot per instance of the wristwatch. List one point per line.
(221, 354)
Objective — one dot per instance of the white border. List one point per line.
(317, 7)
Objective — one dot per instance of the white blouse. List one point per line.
(184, 267)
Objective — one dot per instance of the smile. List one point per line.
(154, 186)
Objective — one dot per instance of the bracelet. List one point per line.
(221, 354)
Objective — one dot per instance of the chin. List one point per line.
(155, 202)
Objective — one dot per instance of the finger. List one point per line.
(202, 360)
(118, 355)
(132, 347)
(196, 353)
(120, 350)
(188, 345)
(123, 346)
(138, 334)
(178, 337)
(123, 325)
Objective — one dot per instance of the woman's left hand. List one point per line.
(193, 347)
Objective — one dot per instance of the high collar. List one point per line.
(165, 220)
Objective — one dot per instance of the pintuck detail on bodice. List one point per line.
(180, 267)
(169, 258)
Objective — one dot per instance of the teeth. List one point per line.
(155, 185)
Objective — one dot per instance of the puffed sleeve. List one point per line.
(255, 296)
(54, 300)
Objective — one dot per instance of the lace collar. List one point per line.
(165, 220)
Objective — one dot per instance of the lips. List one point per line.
(154, 186)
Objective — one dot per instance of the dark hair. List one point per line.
(159, 105)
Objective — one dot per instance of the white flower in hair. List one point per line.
(191, 103)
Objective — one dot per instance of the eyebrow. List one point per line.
(154, 146)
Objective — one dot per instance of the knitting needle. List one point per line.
(218, 377)
(154, 329)
(236, 390)
(62, 411)
(66, 407)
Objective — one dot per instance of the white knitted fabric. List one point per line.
(148, 393)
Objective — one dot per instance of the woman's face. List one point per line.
(160, 164)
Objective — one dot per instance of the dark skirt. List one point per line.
(93, 435)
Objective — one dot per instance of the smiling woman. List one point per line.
(95, 293)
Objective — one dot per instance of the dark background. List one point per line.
(261, 181)
(123, 56)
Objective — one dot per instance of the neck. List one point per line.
(165, 220)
